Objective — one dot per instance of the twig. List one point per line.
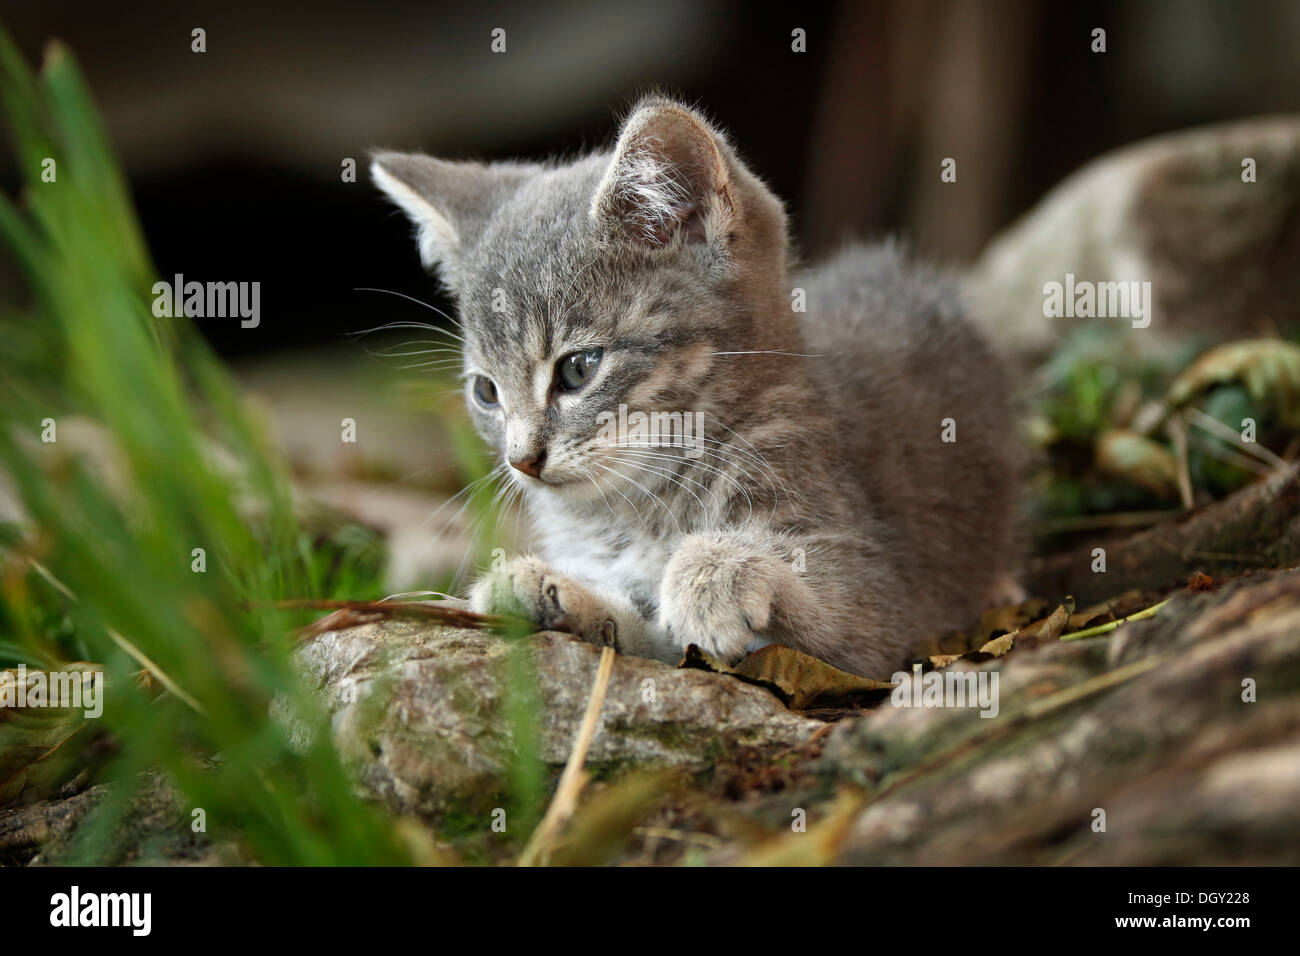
(1221, 451)
(352, 613)
(136, 654)
(1118, 519)
(1178, 431)
(143, 660)
(1032, 711)
(574, 777)
(1112, 625)
(54, 582)
(706, 840)
(1223, 432)
(1093, 685)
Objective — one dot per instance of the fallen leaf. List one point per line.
(943, 660)
(1139, 461)
(1269, 368)
(993, 623)
(1004, 620)
(799, 679)
(1029, 635)
(999, 645)
(1050, 627)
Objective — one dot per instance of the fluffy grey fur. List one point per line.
(825, 511)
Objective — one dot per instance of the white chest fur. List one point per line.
(615, 556)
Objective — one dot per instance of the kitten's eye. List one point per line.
(574, 371)
(485, 391)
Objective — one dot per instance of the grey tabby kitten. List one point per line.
(822, 507)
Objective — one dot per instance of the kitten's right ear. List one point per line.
(449, 202)
(669, 177)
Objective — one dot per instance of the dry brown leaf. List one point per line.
(1009, 618)
(943, 660)
(999, 645)
(1050, 627)
(800, 680)
(993, 623)
(1029, 635)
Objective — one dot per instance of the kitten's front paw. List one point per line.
(529, 588)
(717, 597)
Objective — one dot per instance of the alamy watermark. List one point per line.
(75, 690)
(209, 300)
(684, 430)
(74, 908)
(1085, 299)
(946, 689)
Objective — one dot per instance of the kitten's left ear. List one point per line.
(670, 177)
(449, 202)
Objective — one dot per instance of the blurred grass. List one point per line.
(193, 471)
(526, 774)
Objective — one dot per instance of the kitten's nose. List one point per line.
(531, 466)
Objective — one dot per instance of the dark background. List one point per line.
(234, 154)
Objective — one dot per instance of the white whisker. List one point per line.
(674, 479)
(410, 298)
(774, 352)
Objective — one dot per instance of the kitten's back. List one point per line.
(899, 358)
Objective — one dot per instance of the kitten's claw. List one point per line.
(529, 588)
(717, 598)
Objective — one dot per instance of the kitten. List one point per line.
(818, 503)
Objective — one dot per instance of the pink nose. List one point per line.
(530, 466)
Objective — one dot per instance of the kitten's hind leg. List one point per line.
(530, 588)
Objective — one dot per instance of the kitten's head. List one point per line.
(609, 281)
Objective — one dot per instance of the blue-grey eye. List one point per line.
(485, 391)
(576, 370)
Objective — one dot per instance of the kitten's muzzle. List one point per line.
(531, 466)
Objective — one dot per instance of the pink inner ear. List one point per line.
(670, 205)
(692, 222)
(667, 174)
(687, 217)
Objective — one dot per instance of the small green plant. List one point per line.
(159, 562)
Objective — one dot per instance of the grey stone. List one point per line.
(420, 711)
(1222, 255)
(1187, 768)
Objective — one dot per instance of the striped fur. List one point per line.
(824, 510)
